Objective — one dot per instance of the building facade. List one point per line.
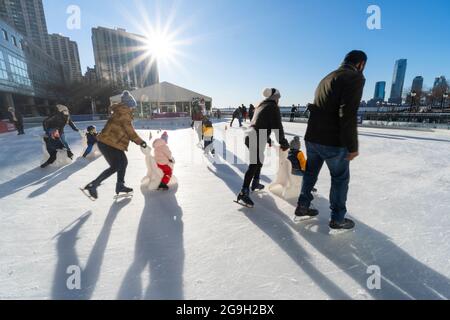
(417, 85)
(90, 76)
(121, 59)
(66, 52)
(398, 81)
(380, 91)
(29, 77)
(27, 17)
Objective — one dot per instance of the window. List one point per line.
(14, 40)
(19, 71)
(3, 72)
(5, 34)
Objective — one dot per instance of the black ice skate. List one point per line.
(90, 191)
(244, 199)
(122, 191)
(256, 186)
(304, 213)
(70, 154)
(337, 228)
(163, 187)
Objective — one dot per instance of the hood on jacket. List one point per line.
(159, 143)
(121, 108)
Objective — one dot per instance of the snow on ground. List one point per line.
(195, 243)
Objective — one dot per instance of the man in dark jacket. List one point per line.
(251, 112)
(58, 121)
(237, 114)
(16, 118)
(332, 137)
(293, 112)
(267, 118)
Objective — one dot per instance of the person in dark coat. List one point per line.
(251, 112)
(237, 114)
(332, 137)
(293, 112)
(16, 118)
(58, 121)
(267, 118)
(244, 113)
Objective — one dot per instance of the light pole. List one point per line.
(93, 105)
(444, 99)
(413, 96)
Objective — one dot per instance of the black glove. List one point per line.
(284, 145)
(143, 144)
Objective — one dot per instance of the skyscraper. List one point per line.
(28, 17)
(440, 82)
(417, 84)
(121, 59)
(398, 81)
(66, 51)
(380, 91)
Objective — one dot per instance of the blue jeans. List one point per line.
(88, 150)
(335, 158)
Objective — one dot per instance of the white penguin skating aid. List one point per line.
(154, 175)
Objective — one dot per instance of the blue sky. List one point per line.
(236, 48)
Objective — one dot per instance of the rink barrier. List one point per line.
(6, 126)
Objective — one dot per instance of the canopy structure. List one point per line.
(166, 97)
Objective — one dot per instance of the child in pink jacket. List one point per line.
(163, 157)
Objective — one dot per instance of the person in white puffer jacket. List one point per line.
(164, 160)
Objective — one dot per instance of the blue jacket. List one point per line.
(91, 138)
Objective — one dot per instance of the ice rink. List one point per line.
(193, 242)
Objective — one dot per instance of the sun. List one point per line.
(160, 45)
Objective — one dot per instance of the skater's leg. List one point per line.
(88, 150)
(122, 164)
(64, 141)
(50, 160)
(313, 167)
(111, 157)
(231, 123)
(340, 178)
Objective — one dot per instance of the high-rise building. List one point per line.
(66, 51)
(417, 85)
(90, 77)
(121, 59)
(27, 17)
(380, 91)
(30, 78)
(440, 82)
(398, 81)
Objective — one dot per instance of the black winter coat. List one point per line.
(333, 116)
(267, 116)
(58, 121)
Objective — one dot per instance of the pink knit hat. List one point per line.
(165, 137)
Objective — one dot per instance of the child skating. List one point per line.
(53, 143)
(208, 135)
(164, 160)
(91, 138)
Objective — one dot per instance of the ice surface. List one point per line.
(193, 242)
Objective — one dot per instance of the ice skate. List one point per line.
(339, 228)
(304, 213)
(244, 199)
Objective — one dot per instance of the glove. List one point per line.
(143, 144)
(284, 146)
